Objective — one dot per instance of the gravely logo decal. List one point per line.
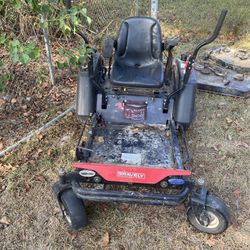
(131, 175)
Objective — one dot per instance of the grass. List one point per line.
(201, 16)
(4, 78)
(2, 86)
(222, 160)
(192, 21)
(244, 42)
(219, 141)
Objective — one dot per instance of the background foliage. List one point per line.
(30, 16)
(21, 31)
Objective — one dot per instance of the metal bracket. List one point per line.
(84, 150)
(58, 188)
(170, 109)
(198, 204)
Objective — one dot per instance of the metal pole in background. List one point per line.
(154, 8)
(136, 7)
(48, 49)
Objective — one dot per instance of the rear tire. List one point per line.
(217, 213)
(73, 210)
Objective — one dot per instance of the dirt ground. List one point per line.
(30, 100)
(219, 140)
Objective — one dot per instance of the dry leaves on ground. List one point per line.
(105, 239)
(5, 220)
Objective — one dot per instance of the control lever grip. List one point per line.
(205, 42)
(213, 36)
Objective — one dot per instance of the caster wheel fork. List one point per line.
(207, 213)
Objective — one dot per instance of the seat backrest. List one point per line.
(139, 42)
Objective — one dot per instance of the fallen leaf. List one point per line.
(56, 210)
(39, 151)
(228, 120)
(141, 232)
(243, 144)
(216, 147)
(23, 236)
(221, 105)
(45, 84)
(5, 220)
(135, 129)
(5, 168)
(1, 145)
(13, 101)
(105, 239)
(40, 178)
(27, 186)
(239, 77)
(2, 102)
(72, 153)
(211, 242)
(223, 157)
(121, 247)
(237, 123)
(2, 188)
(40, 136)
(124, 206)
(100, 139)
(237, 192)
(72, 235)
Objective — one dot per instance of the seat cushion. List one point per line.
(138, 57)
(149, 76)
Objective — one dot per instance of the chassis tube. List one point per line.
(132, 197)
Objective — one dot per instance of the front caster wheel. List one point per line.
(216, 213)
(73, 209)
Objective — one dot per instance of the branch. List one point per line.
(31, 134)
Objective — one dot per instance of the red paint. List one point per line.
(186, 65)
(123, 173)
(120, 105)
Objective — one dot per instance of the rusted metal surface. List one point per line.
(225, 71)
(146, 145)
(147, 110)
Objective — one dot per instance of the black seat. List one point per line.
(138, 57)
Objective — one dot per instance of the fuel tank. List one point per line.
(184, 111)
(86, 95)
